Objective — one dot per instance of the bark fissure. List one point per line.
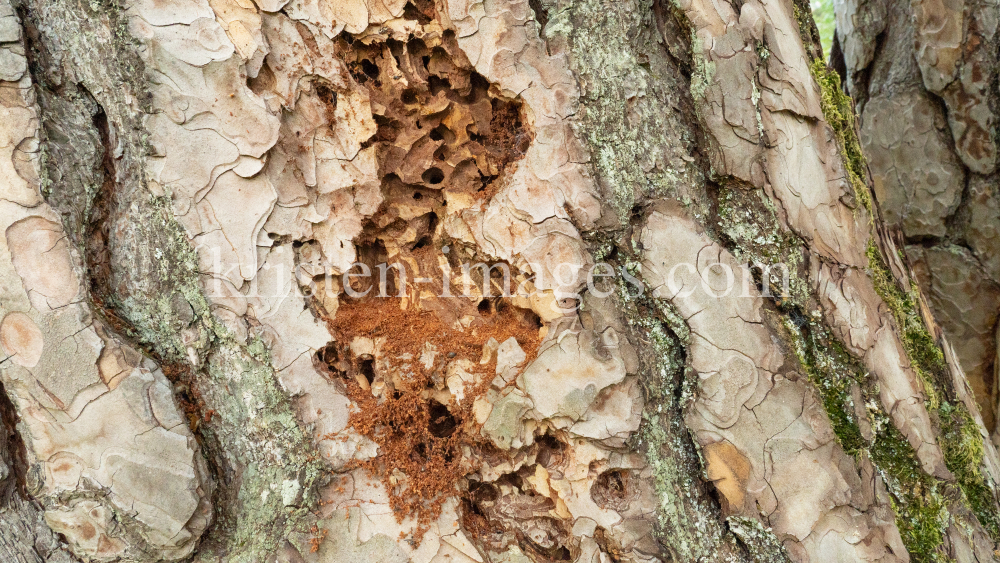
(196, 378)
(142, 281)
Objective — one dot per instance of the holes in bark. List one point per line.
(372, 254)
(424, 242)
(485, 308)
(329, 357)
(329, 99)
(370, 69)
(441, 133)
(367, 369)
(425, 226)
(438, 84)
(439, 129)
(409, 96)
(543, 537)
(442, 424)
(525, 317)
(426, 89)
(508, 512)
(512, 480)
(541, 532)
(365, 71)
(609, 545)
(422, 11)
(562, 554)
(433, 176)
(387, 131)
(612, 490)
(551, 452)
(482, 492)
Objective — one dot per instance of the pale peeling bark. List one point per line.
(924, 78)
(188, 181)
(100, 420)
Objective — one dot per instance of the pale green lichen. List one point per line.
(663, 437)
(247, 426)
(172, 300)
(760, 541)
(250, 423)
(258, 431)
(687, 522)
(749, 225)
(703, 71)
(689, 525)
(625, 79)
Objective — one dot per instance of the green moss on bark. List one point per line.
(963, 454)
(961, 440)
(919, 501)
(838, 110)
(917, 498)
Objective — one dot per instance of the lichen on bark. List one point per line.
(220, 165)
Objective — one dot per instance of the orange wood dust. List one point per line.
(420, 441)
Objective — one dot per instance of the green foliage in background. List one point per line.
(823, 14)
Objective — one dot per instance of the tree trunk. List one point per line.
(926, 94)
(326, 281)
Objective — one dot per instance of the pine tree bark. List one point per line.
(697, 341)
(926, 94)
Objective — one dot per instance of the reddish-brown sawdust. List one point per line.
(401, 424)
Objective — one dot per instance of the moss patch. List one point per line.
(917, 340)
(961, 440)
(963, 455)
(925, 356)
(838, 109)
(918, 500)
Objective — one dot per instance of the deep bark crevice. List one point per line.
(14, 456)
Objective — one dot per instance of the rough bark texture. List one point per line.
(924, 77)
(184, 184)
